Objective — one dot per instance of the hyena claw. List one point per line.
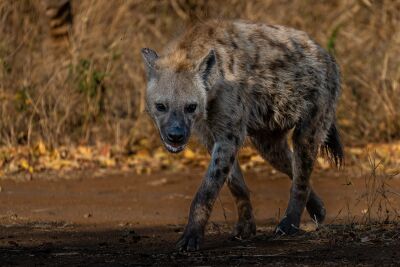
(189, 241)
(287, 226)
(244, 229)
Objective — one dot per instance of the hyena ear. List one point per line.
(149, 56)
(208, 68)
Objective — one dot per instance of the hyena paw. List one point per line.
(244, 229)
(316, 209)
(288, 226)
(190, 240)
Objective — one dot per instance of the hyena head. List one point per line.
(177, 98)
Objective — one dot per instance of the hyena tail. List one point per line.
(333, 147)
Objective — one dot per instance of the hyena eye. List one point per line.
(191, 108)
(161, 107)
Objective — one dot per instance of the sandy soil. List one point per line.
(114, 218)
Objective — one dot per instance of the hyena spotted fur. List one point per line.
(226, 80)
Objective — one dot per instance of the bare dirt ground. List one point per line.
(114, 218)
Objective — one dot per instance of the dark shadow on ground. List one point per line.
(59, 244)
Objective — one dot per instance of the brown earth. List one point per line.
(114, 218)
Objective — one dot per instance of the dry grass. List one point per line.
(377, 199)
(378, 195)
(92, 89)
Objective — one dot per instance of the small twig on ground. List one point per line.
(223, 209)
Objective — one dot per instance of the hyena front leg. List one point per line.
(305, 148)
(246, 226)
(222, 159)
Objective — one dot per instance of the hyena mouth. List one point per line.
(174, 148)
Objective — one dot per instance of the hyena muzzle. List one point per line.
(226, 80)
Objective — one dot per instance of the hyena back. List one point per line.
(226, 80)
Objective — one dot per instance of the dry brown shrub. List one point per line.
(92, 89)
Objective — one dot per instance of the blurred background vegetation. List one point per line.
(78, 78)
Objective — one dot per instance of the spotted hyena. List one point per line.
(226, 80)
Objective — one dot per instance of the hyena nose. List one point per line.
(175, 136)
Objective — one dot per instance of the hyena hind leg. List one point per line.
(274, 148)
(306, 141)
(245, 226)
